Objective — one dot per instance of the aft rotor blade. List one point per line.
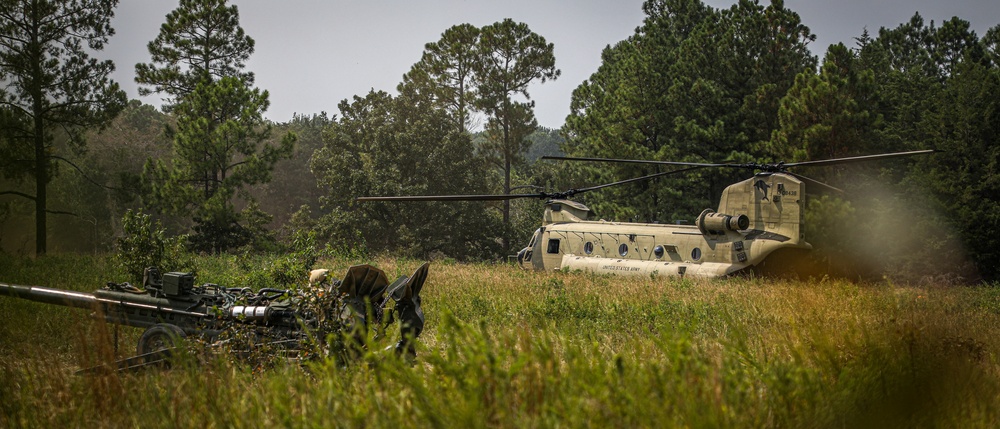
(815, 182)
(638, 161)
(858, 158)
(453, 197)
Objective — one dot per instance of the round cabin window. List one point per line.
(588, 247)
(623, 249)
(696, 254)
(658, 251)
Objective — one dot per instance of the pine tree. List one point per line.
(692, 84)
(222, 141)
(444, 75)
(201, 41)
(51, 88)
(510, 57)
(382, 145)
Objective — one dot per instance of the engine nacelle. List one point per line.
(710, 222)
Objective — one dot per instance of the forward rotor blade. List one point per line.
(638, 179)
(540, 195)
(453, 197)
(638, 161)
(858, 158)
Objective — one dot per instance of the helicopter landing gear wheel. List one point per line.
(157, 341)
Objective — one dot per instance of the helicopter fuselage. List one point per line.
(758, 225)
(756, 217)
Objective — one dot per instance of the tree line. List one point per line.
(739, 85)
(694, 83)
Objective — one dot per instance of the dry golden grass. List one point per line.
(509, 348)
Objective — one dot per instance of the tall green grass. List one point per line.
(509, 348)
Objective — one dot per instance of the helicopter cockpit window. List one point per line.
(553, 246)
(623, 249)
(588, 247)
(537, 233)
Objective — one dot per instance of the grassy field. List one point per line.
(508, 348)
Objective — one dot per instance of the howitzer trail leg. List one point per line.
(411, 316)
(363, 285)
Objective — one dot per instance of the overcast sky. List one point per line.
(311, 54)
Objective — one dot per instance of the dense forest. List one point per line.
(80, 162)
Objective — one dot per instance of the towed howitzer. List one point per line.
(170, 307)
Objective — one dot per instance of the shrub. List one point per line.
(145, 244)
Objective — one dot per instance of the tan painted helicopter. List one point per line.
(756, 219)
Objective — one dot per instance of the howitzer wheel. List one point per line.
(157, 341)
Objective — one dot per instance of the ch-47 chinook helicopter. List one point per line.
(756, 218)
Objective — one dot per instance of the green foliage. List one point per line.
(965, 178)
(827, 115)
(51, 88)
(544, 141)
(444, 75)
(220, 144)
(704, 85)
(217, 229)
(913, 87)
(104, 183)
(692, 84)
(486, 69)
(510, 57)
(201, 41)
(144, 244)
(223, 119)
(837, 234)
(256, 221)
(387, 146)
(285, 270)
(292, 185)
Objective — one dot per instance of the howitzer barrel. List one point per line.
(138, 310)
(49, 295)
